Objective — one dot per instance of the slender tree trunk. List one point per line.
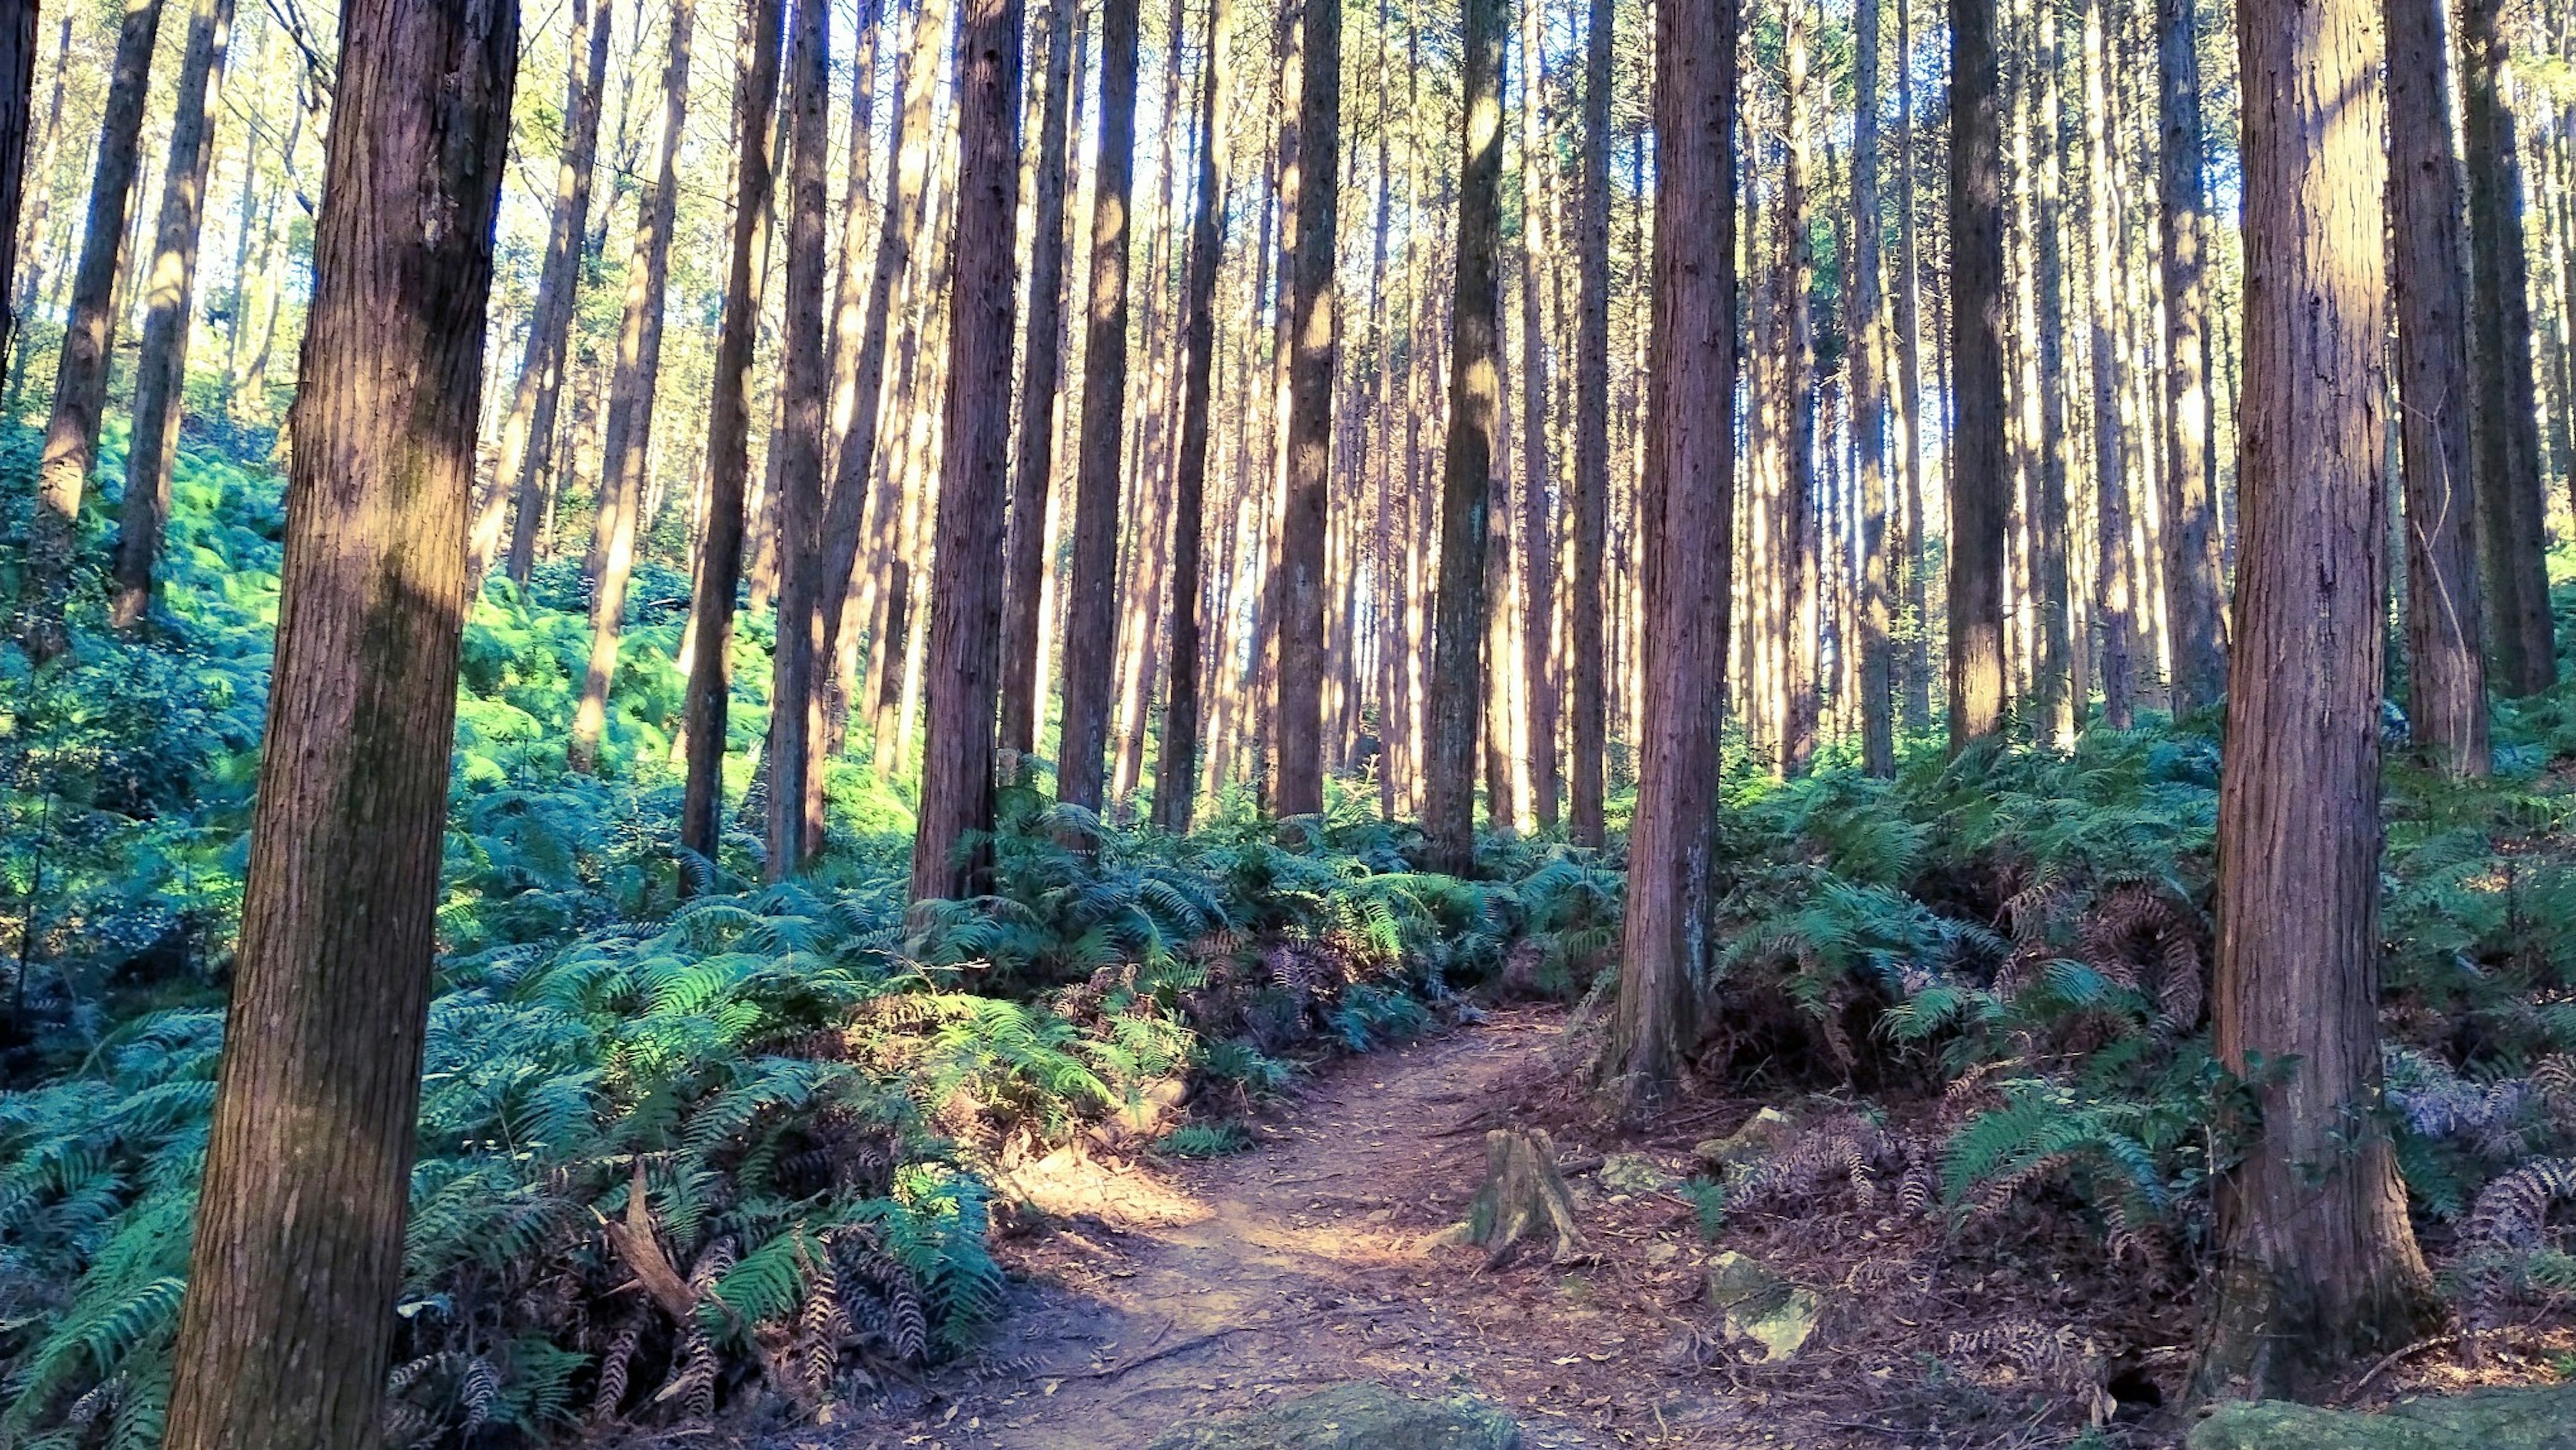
(1091, 623)
(2318, 1270)
(2197, 637)
(1176, 770)
(2060, 657)
(1538, 468)
(964, 662)
(837, 675)
(1980, 476)
(2512, 501)
(1686, 525)
(629, 431)
(1473, 451)
(805, 388)
(89, 333)
(2446, 674)
(729, 436)
(30, 295)
(17, 102)
(299, 1234)
(1801, 554)
(1591, 435)
(1041, 366)
(161, 367)
(2115, 581)
(1909, 386)
(1867, 331)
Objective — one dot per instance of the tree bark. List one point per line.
(1176, 769)
(1091, 619)
(1867, 332)
(161, 367)
(729, 437)
(1042, 362)
(1980, 476)
(1313, 332)
(1685, 522)
(804, 567)
(89, 334)
(1591, 502)
(299, 1234)
(629, 432)
(2192, 589)
(2504, 432)
(2115, 581)
(1538, 467)
(1800, 561)
(1472, 452)
(2318, 1268)
(965, 648)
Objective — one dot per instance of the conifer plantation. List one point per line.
(1166, 723)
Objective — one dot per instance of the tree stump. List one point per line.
(1523, 1191)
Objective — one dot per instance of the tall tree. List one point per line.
(1909, 384)
(2318, 1266)
(299, 1232)
(1314, 320)
(1042, 359)
(17, 100)
(2116, 591)
(1867, 335)
(628, 434)
(15, 172)
(1473, 449)
(1685, 522)
(2512, 500)
(1980, 476)
(1091, 618)
(2196, 623)
(710, 689)
(965, 647)
(89, 332)
(1591, 501)
(161, 367)
(1538, 467)
(2446, 673)
(1800, 560)
(805, 387)
(518, 476)
(1175, 771)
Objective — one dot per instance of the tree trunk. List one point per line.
(299, 1234)
(1591, 500)
(1091, 621)
(1297, 710)
(1909, 386)
(2115, 581)
(729, 437)
(1473, 450)
(1980, 477)
(805, 387)
(1867, 332)
(89, 334)
(1176, 770)
(1023, 692)
(2512, 502)
(629, 432)
(1685, 522)
(2446, 674)
(1800, 554)
(2318, 1269)
(161, 367)
(17, 102)
(965, 648)
(1538, 468)
(2197, 636)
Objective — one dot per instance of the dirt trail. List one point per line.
(1227, 1285)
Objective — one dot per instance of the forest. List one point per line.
(1086, 723)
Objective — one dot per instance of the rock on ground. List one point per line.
(1359, 1416)
(2517, 1419)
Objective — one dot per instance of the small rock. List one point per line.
(1761, 1306)
(2514, 1419)
(1634, 1173)
(1761, 1133)
(1359, 1416)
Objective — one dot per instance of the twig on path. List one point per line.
(2392, 1357)
(1109, 1372)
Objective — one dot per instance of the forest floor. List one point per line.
(1150, 1294)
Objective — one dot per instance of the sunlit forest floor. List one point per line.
(1168, 1126)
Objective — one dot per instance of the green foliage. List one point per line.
(1205, 1140)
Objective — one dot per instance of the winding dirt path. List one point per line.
(1175, 1297)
